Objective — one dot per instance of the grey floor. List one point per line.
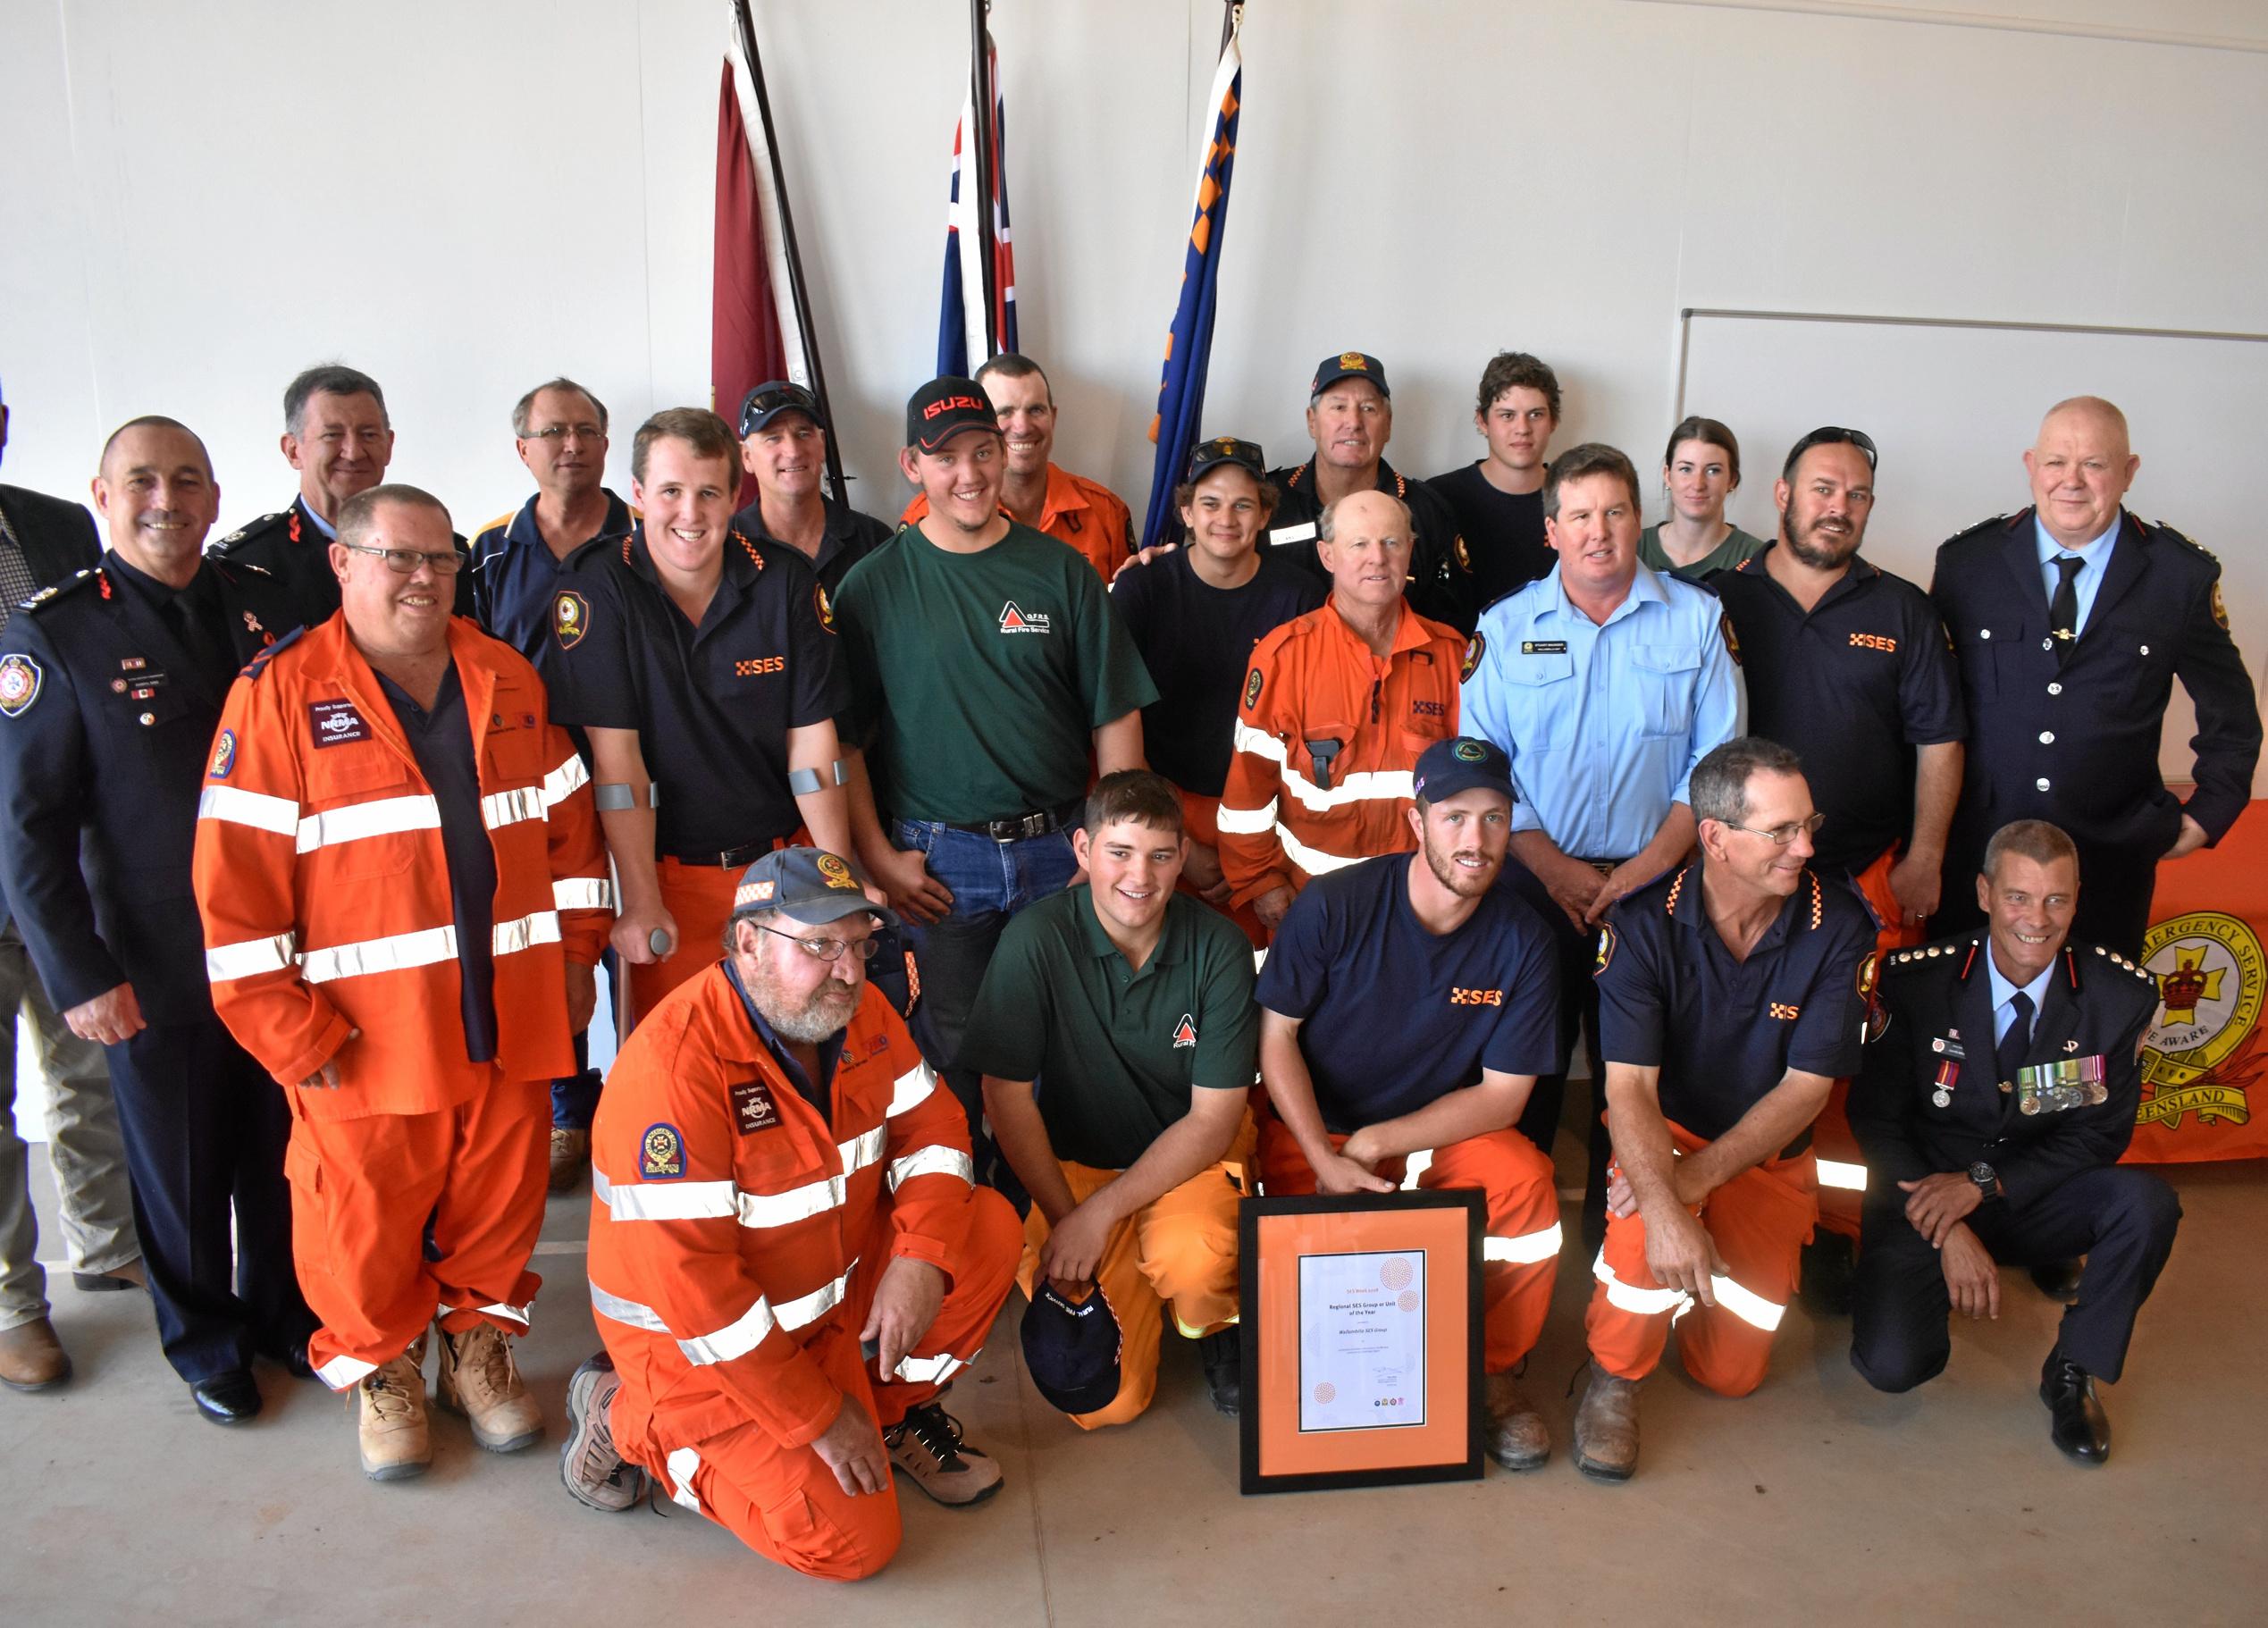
(1815, 1501)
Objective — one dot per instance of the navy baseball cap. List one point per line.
(1349, 365)
(1210, 455)
(1459, 764)
(808, 884)
(769, 400)
(944, 408)
(1072, 1348)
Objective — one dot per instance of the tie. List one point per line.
(2063, 611)
(2010, 1055)
(197, 638)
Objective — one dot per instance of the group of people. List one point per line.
(931, 862)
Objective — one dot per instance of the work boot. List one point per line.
(31, 1358)
(925, 1445)
(1516, 1437)
(1606, 1427)
(478, 1379)
(391, 1402)
(595, 1474)
(1222, 1355)
(570, 1158)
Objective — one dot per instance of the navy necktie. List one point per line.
(2063, 611)
(2009, 1056)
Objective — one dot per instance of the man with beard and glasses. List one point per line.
(788, 1257)
(1407, 1005)
(1849, 667)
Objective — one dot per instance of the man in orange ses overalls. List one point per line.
(788, 1255)
(404, 896)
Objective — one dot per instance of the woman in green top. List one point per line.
(1701, 469)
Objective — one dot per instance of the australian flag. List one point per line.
(970, 335)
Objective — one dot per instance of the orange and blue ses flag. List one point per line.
(1188, 343)
(969, 335)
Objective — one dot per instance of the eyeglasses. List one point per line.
(825, 949)
(1782, 835)
(404, 562)
(554, 433)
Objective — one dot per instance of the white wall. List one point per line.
(463, 198)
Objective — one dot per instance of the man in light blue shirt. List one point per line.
(1606, 684)
(2093, 557)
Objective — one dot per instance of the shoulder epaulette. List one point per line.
(70, 584)
(2116, 959)
(258, 664)
(2000, 522)
(2171, 536)
(1932, 954)
(243, 531)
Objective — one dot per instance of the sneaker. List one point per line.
(570, 1158)
(392, 1406)
(925, 1445)
(595, 1474)
(1222, 1355)
(477, 1377)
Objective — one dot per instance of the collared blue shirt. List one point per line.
(318, 520)
(1603, 724)
(517, 577)
(2003, 992)
(2096, 553)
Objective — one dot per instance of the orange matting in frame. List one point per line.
(1442, 1447)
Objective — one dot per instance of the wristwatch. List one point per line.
(1987, 1179)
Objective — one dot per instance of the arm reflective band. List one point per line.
(611, 794)
(802, 781)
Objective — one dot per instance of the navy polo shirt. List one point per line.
(850, 537)
(1852, 685)
(712, 705)
(516, 576)
(1393, 1018)
(1725, 1031)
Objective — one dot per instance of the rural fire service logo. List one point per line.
(1184, 1032)
(2200, 1056)
(1014, 620)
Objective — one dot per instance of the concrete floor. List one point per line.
(1816, 1501)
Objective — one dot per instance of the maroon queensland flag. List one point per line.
(753, 336)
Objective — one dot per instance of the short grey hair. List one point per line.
(1327, 521)
(328, 379)
(2032, 839)
(526, 404)
(1718, 789)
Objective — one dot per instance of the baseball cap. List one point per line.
(1349, 365)
(808, 884)
(769, 400)
(1209, 455)
(1459, 764)
(944, 408)
(1072, 1348)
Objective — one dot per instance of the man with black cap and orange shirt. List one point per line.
(1350, 415)
(782, 448)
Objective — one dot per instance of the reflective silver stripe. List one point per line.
(1245, 822)
(563, 782)
(1629, 1297)
(225, 962)
(423, 948)
(1745, 1304)
(1259, 743)
(1418, 1164)
(500, 809)
(1314, 861)
(682, 1463)
(810, 1308)
(627, 1311)
(1834, 1173)
(932, 1161)
(863, 1149)
(913, 1088)
(664, 1200)
(1364, 785)
(758, 1211)
(583, 894)
(538, 927)
(342, 1372)
(928, 1370)
(258, 809)
(745, 1332)
(380, 817)
(1524, 1249)
(510, 1314)
(738, 1338)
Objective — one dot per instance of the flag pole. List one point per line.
(787, 244)
(981, 70)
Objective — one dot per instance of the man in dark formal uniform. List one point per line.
(43, 540)
(2071, 621)
(1994, 1100)
(1350, 415)
(110, 687)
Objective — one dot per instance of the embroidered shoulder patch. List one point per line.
(20, 677)
(570, 618)
(661, 1152)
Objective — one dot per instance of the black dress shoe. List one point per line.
(228, 1399)
(2076, 1423)
(2059, 1279)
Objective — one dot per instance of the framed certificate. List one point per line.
(1362, 1339)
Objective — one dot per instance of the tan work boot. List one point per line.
(478, 1379)
(392, 1404)
(925, 1446)
(1606, 1427)
(1517, 1436)
(570, 1158)
(31, 1358)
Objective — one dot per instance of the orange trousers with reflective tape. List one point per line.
(361, 1191)
(784, 1502)
(1831, 1137)
(1760, 1221)
(1201, 823)
(1516, 1179)
(1179, 1249)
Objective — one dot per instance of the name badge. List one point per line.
(754, 1108)
(1292, 533)
(2051, 1087)
(1949, 1048)
(1543, 647)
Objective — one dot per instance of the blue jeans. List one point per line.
(990, 882)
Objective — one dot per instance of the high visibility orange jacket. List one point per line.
(726, 1216)
(324, 887)
(1084, 514)
(1285, 817)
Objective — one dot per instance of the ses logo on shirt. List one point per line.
(1476, 997)
(1015, 621)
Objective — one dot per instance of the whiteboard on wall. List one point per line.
(1952, 406)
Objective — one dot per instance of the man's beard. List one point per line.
(820, 1016)
(1465, 883)
(1819, 559)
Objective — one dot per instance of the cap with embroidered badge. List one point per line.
(1349, 365)
(809, 884)
(1072, 1348)
(774, 397)
(1207, 456)
(943, 408)
(1459, 764)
